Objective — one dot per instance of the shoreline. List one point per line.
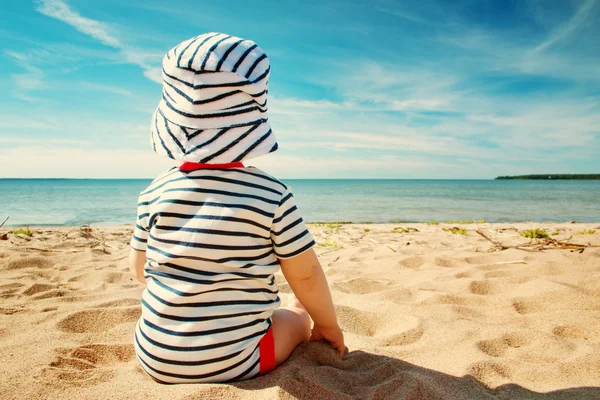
(433, 222)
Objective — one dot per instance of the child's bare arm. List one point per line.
(307, 280)
(137, 260)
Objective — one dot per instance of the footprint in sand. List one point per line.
(10, 290)
(91, 361)
(491, 373)
(98, 320)
(51, 293)
(461, 275)
(35, 275)
(361, 286)
(469, 313)
(530, 347)
(29, 262)
(453, 299)
(528, 306)
(397, 295)
(113, 277)
(556, 301)
(106, 277)
(38, 288)
(491, 267)
(486, 287)
(412, 262)
(496, 274)
(498, 347)
(589, 332)
(445, 262)
(356, 259)
(356, 321)
(405, 338)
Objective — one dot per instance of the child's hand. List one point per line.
(333, 335)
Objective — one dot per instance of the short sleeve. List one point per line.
(289, 234)
(139, 239)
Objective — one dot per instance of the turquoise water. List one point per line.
(113, 202)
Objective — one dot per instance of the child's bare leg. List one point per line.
(291, 326)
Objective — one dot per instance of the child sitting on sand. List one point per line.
(212, 232)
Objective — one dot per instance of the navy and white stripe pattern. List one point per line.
(212, 238)
(214, 101)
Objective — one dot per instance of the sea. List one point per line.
(103, 202)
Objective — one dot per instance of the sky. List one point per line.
(424, 89)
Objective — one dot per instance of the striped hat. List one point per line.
(214, 101)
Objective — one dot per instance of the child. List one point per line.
(211, 233)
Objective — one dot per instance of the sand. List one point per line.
(427, 314)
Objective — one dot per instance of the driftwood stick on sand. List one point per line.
(329, 251)
(6, 219)
(337, 258)
(498, 245)
(546, 244)
(68, 233)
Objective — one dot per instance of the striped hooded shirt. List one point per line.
(212, 238)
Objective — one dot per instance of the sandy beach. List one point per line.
(427, 313)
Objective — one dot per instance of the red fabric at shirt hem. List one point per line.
(192, 166)
(267, 353)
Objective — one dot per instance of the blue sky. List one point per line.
(377, 89)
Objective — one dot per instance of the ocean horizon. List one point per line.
(103, 202)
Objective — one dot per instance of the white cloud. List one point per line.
(102, 32)
(435, 116)
(154, 74)
(403, 14)
(293, 103)
(30, 80)
(12, 122)
(568, 28)
(416, 104)
(58, 9)
(18, 140)
(106, 88)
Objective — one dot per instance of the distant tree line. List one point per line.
(553, 177)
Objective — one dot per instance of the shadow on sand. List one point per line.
(314, 372)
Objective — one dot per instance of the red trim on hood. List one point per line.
(189, 166)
